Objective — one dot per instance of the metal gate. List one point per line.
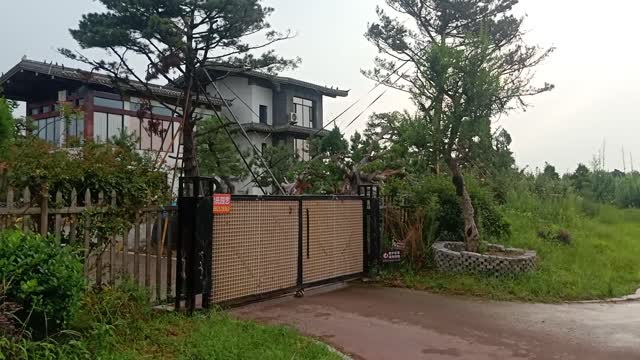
(275, 245)
(269, 245)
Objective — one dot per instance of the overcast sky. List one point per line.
(595, 68)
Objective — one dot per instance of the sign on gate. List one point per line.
(392, 256)
(221, 204)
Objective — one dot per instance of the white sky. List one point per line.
(595, 68)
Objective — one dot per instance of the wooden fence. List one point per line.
(144, 253)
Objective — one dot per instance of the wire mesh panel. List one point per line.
(255, 249)
(332, 239)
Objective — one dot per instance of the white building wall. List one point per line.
(241, 89)
(246, 108)
(247, 185)
(246, 98)
(262, 96)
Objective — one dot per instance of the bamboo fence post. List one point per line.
(44, 211)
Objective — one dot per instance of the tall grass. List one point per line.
(602, 261)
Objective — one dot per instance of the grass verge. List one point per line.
(601, 262)
(209, 336)
(120, 324)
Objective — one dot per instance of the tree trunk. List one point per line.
(190, 163)
(471, 235)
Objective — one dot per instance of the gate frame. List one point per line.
(195, 224)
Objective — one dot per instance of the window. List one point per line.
(108, 103)
(161, 110)
(49, 129)
(154, 134)
(301, 148)
(155, 109)
(304, 109)
(75, 128)
(264, 148)
(264, 117)
(106, 126)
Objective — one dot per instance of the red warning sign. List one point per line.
(221, 204)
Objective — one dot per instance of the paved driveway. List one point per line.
(382, 323)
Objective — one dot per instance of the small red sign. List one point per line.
(221, 204)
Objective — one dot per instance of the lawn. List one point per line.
(120, 324)
(603, 260)
(209, 336)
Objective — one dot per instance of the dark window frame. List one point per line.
(300, 102)
(168, 136)
(264, 114)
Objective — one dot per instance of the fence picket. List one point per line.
(100, 247)
(147, 257)
(125, 251)
(169, 257)
(44, 211)
(10, 206)
(112, 252)
(158, 255)
(58, 222)
(87, 235)
(136, 250)
(26, 198)
(72, 218)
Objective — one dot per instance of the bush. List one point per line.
(437, 197)
(628, 192)
(45, 279)
(112, 305)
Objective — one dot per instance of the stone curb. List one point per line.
(333, 350)
(625, 299)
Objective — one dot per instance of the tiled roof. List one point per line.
(64, 72)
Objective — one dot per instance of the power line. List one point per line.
(244, 133)
(267, 169)
(368, 93)
(235, 145)
(361, 113)
(374, 101)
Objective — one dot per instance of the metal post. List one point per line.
(300, 281)
(179, 245)
(375, 230)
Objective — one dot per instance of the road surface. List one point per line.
(382, 323)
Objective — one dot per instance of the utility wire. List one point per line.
(356, 102)
(374, 101)
(318, 130)
(368, 93)
(246, 136)
(235, 145)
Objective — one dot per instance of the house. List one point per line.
(272, 109)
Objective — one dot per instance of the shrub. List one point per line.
(113, 305)
(45, 279)
(628, 192)
(436, 195)
(603, 187)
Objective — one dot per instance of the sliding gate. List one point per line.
(275, 245)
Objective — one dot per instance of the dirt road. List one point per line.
(382, 323)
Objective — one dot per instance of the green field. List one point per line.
(603, 260)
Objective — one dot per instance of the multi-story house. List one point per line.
(272, 109)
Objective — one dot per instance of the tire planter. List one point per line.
(451, 257)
